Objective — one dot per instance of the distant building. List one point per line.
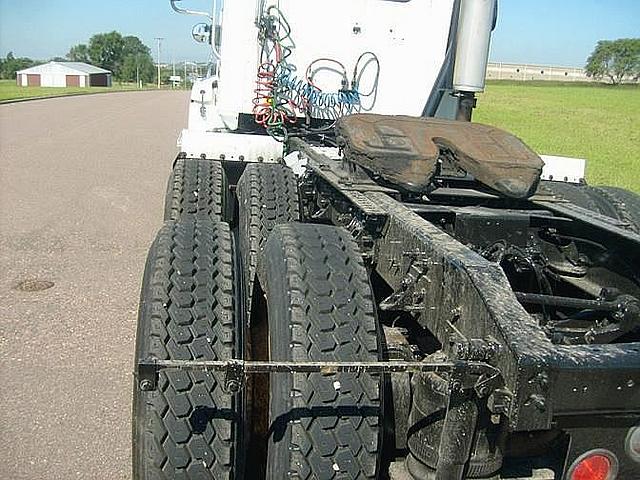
(525, 71)
(64, 74)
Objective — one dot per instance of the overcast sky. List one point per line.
(561, 32)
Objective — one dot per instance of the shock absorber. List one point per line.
(450, 436)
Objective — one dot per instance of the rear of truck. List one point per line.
(355, 281)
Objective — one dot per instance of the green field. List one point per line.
(597, 122)
(10, 91)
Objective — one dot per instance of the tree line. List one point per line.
(125, 56)
(11, 64)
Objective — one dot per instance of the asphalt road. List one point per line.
(82, 181)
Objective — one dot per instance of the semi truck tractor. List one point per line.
(354, 280)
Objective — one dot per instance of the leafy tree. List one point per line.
(127, 57)
(11, 64)
(105, 50)
(136, 62)
(79, 53)
(133, 45)
(615, 60)
(137, 66)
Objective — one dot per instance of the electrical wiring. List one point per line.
(271, 109)
(282, 95)
(311, 71)
(357, 78)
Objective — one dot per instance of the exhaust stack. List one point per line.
(476, 22)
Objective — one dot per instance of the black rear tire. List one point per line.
(612, 202)
(197, 188)
(320, 308)
(187, 427)
(626, 204)
(267, 196)
(580, 195)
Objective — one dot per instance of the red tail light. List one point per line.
(594, 465)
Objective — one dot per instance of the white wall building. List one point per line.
(64, 74)
(525, 71)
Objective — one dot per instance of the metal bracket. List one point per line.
(185, 11)
(409, 297)
(147, 376)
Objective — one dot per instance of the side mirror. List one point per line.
(201, 33)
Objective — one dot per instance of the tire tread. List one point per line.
(186, 426)
(332, 319)
(267, 196)
(196, 188)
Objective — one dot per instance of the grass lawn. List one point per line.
(597, 122)
(10, 91)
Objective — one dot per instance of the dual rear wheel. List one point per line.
(199, 279)
(188, 427)
(320, 308)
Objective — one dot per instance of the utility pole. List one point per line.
(159, 40)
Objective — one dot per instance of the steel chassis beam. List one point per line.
(454, 292)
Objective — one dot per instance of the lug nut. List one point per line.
(146, 385)
(233, 386)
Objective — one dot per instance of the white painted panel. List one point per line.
(239, 50)
(60, 80)
(52, 79)
(46, 80)
(232, 145)
(203, 111)
(409, 38)
(563, 169)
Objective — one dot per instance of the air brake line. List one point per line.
(281, 96)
